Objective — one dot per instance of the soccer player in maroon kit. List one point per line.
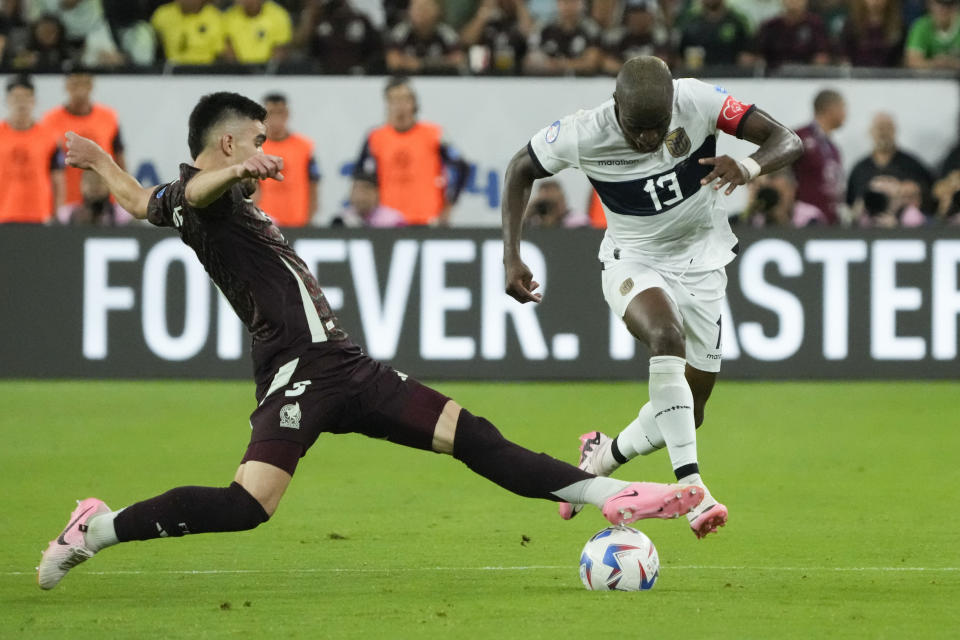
(310, 377)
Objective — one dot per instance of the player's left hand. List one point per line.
(726, 171)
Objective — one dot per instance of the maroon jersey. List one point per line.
(266, 283)
(782, 42)
(819, 171)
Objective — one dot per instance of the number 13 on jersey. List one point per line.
(667, 183)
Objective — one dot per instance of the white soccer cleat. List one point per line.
(69, 548)
(590, 444)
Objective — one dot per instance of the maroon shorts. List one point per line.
(342, 390)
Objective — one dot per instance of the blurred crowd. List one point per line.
(508, 37)
(408, 173)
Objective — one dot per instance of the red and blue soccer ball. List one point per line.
(619, 559)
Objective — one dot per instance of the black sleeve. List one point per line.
(56, 159)
(118, 142)
(366, 163)
(452, 159)
(162, 204)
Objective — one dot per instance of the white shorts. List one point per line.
(698, 296)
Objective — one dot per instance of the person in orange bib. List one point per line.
(293, 202)
(31, 165)
(411, 159)
(88, 119)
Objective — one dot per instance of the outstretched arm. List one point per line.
(87, 154)
(518, 181)
(208, 185)
(779, 147)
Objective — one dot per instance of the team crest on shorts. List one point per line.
(678, 143)
(290, 416)
(626, 286)
(553, 132)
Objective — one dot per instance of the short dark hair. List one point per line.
(275, 97)
(397, 81)
(826, 99)
(214, 108)
(20, 80)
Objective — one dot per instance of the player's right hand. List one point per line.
(520, 282)
(82, 152)
(262, 166)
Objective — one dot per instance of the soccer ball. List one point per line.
(619, 559)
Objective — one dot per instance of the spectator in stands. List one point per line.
(191, 31)
(496, 37)
(88, 119)
(365, 209)
(31, 166)
(549, 208)
(834, 14)
(80, 18)
(47, 48)
(773, 203)
(888, 160)
(394, 12)
(819, 170)
(129, 21)
(95, 206)
(338, 36)
(257, 31)
(642, 34)
(410, 160)
(714, 34)
(13, 31)
(756, 11)
(946, 193)
(294, 201)
(796, 36)
(607, 14)
(423, 44)
(873, 34)
(888, 203)
(934, 39)
(568, 45)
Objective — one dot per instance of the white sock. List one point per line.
(639, 438)
(595, 491)
(100, 532)
(672, 403)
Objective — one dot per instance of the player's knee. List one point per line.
(697, 416)
(474, 436)
(667, 340)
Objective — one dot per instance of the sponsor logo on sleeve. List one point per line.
(553, 131)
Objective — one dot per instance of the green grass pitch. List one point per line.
(844, 520)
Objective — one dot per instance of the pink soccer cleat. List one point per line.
(707, 518)
(640, 500)
(590, 443)
(69, 548)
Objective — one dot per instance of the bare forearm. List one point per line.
(129, 193)
(207, 186)
(778, 146)
(517, 185)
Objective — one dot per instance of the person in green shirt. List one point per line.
(934, 39)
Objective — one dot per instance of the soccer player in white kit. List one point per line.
(650, 153)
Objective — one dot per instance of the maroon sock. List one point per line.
(190, 510)
(480, 446)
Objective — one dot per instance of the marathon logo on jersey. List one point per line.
(290, 416)
(619, 162)
(553, 132)
(678, 143)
